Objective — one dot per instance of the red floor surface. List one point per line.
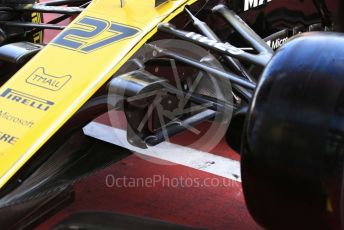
(220, 207)
(176, 194)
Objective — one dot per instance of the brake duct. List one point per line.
(138, 93)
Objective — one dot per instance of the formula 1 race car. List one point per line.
(265, 74)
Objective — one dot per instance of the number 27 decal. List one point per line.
(92, 35)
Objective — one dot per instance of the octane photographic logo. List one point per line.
(162, 95)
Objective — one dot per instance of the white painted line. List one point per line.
(174, 153)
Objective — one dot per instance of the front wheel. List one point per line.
(293, 149)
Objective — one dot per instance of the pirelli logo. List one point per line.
(26, 99)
